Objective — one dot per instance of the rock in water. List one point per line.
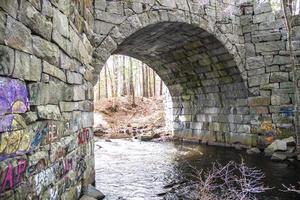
(253, 150)
(85, 197)
(91, 191)
(289, 141)
(146, 137)
(278, 156)
(277, 145)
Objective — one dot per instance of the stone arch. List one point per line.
(205, 96)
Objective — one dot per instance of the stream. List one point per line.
(134, 170)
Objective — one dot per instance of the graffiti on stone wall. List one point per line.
(14, 143)
(44, 179)
(267, 126)
(52, 133)
(11, 176)
(14, 136)
(14, 98)
(39, 136)
(38, 166)
(286, 111)
(84, 136)
(80, 167)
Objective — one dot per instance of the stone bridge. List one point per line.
(226, 64)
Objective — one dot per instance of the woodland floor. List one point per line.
(146, 120)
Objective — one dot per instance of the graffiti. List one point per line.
(267, 126)
(14, 98)
(40, 165)
(13, 130)
(38, 138)
(286, 111)
(84, 136)
(12, 176)
(52, 133)
(44, 179)
(80, 167)
(68, 165)
(14, 143)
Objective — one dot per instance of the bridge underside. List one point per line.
(209, 94)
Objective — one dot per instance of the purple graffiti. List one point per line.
(13, 96)
(6, 123)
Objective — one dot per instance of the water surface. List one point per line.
(134, 170)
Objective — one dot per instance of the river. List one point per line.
(134, 170)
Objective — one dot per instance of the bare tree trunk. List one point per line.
(143, 77)
(149, 78)
(154, 82)
(110, 75)
(99, 87)
(115, 71)
(124, 89)
(131, 83)
(105, 80)
(287, 8)
(161, 88)
(146, 82)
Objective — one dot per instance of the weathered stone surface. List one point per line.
(46, 50)
(27, 67)
(47, 9)
(49, 93)
(7, 60)
(278, 156)
(85, 197)
(270, 46)
(35, 20)
(263, 17)
(258, 80)
(253, 150)
(49, 112)
(54, 71)
(277, 145)
(65, 6)
(277, 77)
(10, 6)
(289, 141)
(280, 99)
(255, 62)
(93, 192)
(18, 36)
(2, 27)
(74, 78)
(262, 8)
(60, 23)
(259, 101)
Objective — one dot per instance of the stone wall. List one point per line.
(225, 63)
(46, 137)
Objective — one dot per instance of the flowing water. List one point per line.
(134, 170)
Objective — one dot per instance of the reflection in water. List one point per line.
(132, 170)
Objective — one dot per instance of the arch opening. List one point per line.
(131, 101)
(208, 91)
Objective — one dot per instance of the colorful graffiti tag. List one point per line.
(14, 136)
(12, 176)
(84, 136)
(39, 136)
(14, 98)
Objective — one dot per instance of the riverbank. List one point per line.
(121, 119)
